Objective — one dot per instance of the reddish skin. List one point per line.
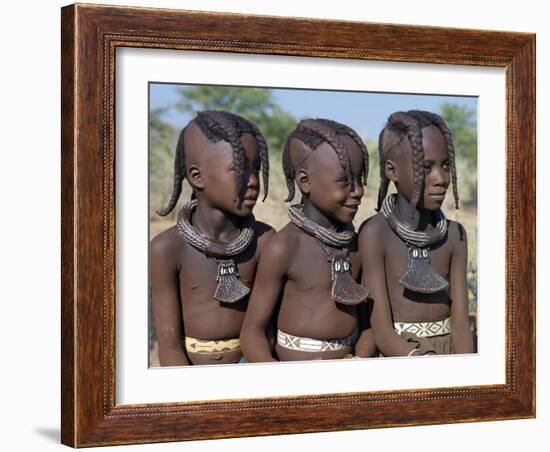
(294, 272)
(378, 243)
(183, 279)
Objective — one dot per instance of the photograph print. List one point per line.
(298, 225)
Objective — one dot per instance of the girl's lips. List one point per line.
(437, 196)
(249, 202)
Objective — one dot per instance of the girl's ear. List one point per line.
(195, 177)
(303, 182)
(390, 168)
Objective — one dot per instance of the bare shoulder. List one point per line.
(264, 233)
(457, 232)
(167, 244)
(373, 227)
(280, 245)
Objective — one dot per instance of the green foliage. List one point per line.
(159, 131)
(255, 104)
(463, 125)
(162, 139)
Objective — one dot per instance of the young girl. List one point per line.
(309, 270)
(414, 259)
(202, 269)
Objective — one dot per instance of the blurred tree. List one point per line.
(462, 122)
(162, 142)
(161, 137)
(158, 129)
(255, 104)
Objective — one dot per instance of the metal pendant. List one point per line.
(344, 289)
(420, 276)
(229, 288)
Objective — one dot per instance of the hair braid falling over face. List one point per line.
(427, 118)
(313, 132)
(216, 126)
(342, 129)
(410, 124)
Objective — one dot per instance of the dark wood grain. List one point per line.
(90, 36)
(67, 226)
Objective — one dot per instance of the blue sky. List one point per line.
(365, 112)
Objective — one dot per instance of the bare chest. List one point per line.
(396, 257)
(198, 273)
(312, 265)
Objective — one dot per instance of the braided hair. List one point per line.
(216, 126)
(409, 125)
(313, 132)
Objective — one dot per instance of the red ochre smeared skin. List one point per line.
(293, 275)
(183, 279)
(384, 255)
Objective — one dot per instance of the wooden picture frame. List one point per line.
(90, 36)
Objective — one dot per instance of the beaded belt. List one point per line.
(203, 346)
(306, 344)
(424, 329)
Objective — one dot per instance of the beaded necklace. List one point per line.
(344, 289)
(229, 289)
(419, 276)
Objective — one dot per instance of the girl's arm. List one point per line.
(268, 286)
(371, 248)
(461, 335)
(166, 302)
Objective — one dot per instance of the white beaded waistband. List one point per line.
(307, 344)
(424, 329)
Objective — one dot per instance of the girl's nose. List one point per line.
(440, 176)
(253, 179)
(357, 190)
